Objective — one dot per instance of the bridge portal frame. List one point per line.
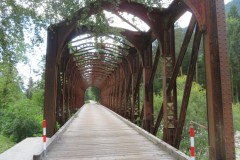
(209, 23)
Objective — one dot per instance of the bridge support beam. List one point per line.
(210, 20)
(148, 90)
(169, 97)
(50, 84)
(220, 122)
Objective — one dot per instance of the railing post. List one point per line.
(44, 139)
(192, 147)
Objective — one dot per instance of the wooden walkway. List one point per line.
(97, 133)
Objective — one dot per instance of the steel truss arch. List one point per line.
(119, 81)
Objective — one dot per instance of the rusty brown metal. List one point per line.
(50, 84)
(148, 119)
(220, 122)
(169, 99)
(117, 69)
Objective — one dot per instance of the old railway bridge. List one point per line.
(117, 67)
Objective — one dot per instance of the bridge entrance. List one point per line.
(116, 60)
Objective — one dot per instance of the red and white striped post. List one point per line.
(44, 138)
(192, 143)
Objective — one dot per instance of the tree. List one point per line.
(15, 22)
(19, 116)
(22, 119)
(92, 93)
(233, 34)
(29, 90)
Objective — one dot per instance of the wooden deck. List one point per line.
(97, 133)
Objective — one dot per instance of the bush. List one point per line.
(21, 120)
(5, 143)
(236, 116)
(197, 112)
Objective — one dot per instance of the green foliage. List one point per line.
(200, 66)
(236, 116)
(158, 100)
(87, 101)
(92, 93)
(38, 98)
(5, 143)
(15, 20)
(22, 119)
(232, 3)
(19, 117)
(197, 112)
(9, 94)
(10, 85)
(233, 34)
(158, 75)
(64, 9)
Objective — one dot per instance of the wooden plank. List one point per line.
(96, 133)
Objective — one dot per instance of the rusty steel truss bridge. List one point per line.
(117, 67)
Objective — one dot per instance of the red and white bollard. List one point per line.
(192, 143)
(44, 138)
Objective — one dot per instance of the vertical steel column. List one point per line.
(108, 92)
(50, 83)
(66, 82)
(59, 96)
(115, 92)
(220, 122)
(121, 91)
(127, 92)
(148, 90)
(70, 86)
(133, 98)
(137, 90)
(125, 68)
(118, 90)
(169, 98)
(111, 94)
(63, 64)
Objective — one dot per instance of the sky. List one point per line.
(35, 57)
(184, 20)
(226, 1)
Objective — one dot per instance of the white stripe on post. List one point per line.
(192, 143)
(44, 131)
(44, 138)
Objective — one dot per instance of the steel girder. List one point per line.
(67, 78)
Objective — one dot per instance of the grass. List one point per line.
(5, 143)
